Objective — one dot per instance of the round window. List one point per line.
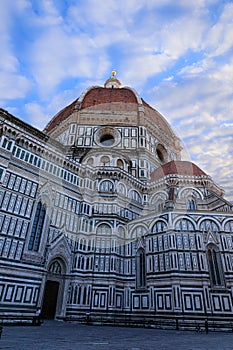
(107, 140)
(107, 137)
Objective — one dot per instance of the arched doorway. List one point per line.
(53, 291)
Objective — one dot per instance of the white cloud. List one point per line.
(138, 69)
(219, 38)
(200, 108)
(84, 34)
(198, 68)
(45, 14)
(36, 114)
(39, 115)
(103, 15)
(53, 60)
(185, 47)
(13, 86)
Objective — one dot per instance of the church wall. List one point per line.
(20, 282)
(96, 232)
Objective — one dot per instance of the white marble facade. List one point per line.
(99, 214)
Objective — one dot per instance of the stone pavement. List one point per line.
(55, 335)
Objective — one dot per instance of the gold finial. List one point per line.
(113, 73)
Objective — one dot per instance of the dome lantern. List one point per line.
(113, 82)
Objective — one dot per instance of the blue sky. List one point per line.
(178, 55)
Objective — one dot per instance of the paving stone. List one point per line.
(54, 335)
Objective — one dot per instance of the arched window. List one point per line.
(229, 226)
(138, 231)
(55, 267)
(191, 204)
(160, 206)
(104, 229)
(209, 225)
(120, 163)
(140, 269)
(121, 189)
(105, 160)
(159, 226)
(121, 232)
(184, 225)
(136, 196)
(37, 227)
(106, 186)
(215, 266)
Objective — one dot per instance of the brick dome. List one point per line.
(111, 99)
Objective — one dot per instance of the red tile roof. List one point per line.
(113, 99)
(176, 167)
(60, 116)
(107, 95)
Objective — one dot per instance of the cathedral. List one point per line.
(100, 217)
